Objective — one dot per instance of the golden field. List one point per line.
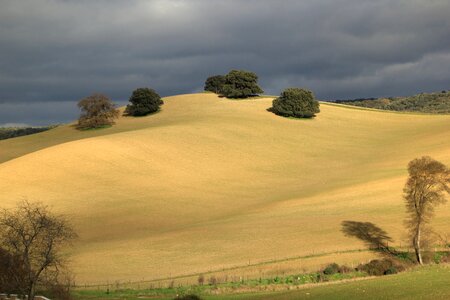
(210, 183)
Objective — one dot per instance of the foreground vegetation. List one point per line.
(438, 102)
(430, 282)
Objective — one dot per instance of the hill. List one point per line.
(435, 103)
(209, 183)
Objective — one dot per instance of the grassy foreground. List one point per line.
(210, 185)
(431, 282)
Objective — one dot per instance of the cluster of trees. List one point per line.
(424, 102)
(236, 84)
(99, 111)
(293, 102)
(32, 239)
(428, 186)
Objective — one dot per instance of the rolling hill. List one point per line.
(208, 184)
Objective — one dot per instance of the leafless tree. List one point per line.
(36, 237)
(427, 186)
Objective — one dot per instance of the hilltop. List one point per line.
(210, 183)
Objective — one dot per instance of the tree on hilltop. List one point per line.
(215, 83)
(97, 111)
(240, 84)
(143, 101)
(295, 102)
(427, 186)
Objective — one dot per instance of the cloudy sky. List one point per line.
(53, 53)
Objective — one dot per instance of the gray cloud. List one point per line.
(60, 51)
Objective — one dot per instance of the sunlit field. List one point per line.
(209, 184)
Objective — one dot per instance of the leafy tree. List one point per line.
(427, 186)
(215, 83)
(34, 237)
(144, 101)
(97, 111)
(241, 84)
(295, 102)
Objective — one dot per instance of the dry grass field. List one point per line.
(209, 183)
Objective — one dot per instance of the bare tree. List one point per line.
(427, 186)
(97, 111)
(36, 236)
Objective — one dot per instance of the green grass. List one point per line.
(430, 282)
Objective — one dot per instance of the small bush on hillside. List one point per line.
(143, 101)
(188, 297)
(378, 267)
(295, 102)
(331, 269)
(241, 84)
(215, 83)
(97, 111)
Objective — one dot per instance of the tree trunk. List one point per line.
(417, 246)
(31, 291)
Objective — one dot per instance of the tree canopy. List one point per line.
(32, 240)
(427, 186)
(297, 103)
(143, 101)
(97, 111)
(240, 84)
(215, 83)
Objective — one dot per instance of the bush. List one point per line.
(295, 102)
(97, 111)
(144, 101)
(331, 269)
(381, 267)
(188, 297)
(241, 84)
(215, 83)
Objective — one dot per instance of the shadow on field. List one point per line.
(374, 237)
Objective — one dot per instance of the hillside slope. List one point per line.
(209, 183)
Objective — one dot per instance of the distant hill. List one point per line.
(11, 132)
(437, 103)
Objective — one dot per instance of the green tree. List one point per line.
(34, 238)
(241, 84)
(97, 111)
(143, 101)
(295, 102)
(427, 186)
(215, 83)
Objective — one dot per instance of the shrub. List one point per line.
(295, 102)
(241, 84)
(381, 267)
(97, 111)
(144, 101)
(188, 297)
(331, 269)
(215, 83)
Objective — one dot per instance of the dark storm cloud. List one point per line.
(60, 51)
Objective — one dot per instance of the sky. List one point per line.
(55, 52)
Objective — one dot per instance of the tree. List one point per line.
(241, 84)
(215, 83)
(295, 102)
(426, 187)
(97, 111)
(144, 101)
(34, 236)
